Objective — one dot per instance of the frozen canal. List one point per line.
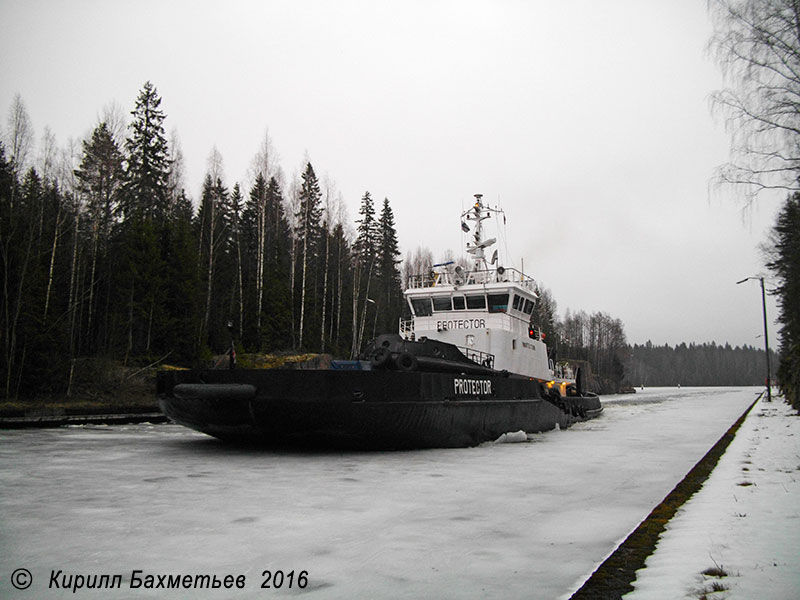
(524, 520)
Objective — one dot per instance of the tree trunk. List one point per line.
(210, 270)
(261, 218)
(364, 315)
(91, 279)
(73, 284)
(324, 292)
(56, 235)
(356, 278)
(11, 334)
(303, 289)
(241, 286)
(292, 271)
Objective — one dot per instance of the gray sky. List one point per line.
(588, 122)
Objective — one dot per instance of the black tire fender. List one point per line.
(380, 357)
(407, 362)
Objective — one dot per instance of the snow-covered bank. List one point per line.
(744, 522)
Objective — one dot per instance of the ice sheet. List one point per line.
(523, 520)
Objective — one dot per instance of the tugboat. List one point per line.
(468, 366)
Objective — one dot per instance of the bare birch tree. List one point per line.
(114, 116)
(48, 155)
(331, 200)
(417, 262)
(176, 176)
(292, 209)
(264, 167)
(19, 135)
(339, 224)
(211, 232)
(757, 44)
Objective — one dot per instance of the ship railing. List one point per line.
(478, 357)
(406, 327)
(455, 277)
(485, 359)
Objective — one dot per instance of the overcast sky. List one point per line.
(587, 122)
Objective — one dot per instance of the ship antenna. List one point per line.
(478, 226)
(478, 213)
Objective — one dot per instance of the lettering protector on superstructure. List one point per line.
(486, 311)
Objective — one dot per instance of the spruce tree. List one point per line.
(276, 305)
(148, 166)
(308, 233)
(785, 264)
(182, 288)
(341, 323)
(365, 250)
(253, 234)
(390, 297)
(235, 207)
(213, 232)
(367, 232)
(138, 285)
(21, 280)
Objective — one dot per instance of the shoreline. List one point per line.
(45, 421)
(614, 577)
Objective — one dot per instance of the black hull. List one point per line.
(363, 409)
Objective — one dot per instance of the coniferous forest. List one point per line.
(696, 365)
(105, 257)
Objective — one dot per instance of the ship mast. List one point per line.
(478, 213)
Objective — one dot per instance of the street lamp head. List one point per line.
(749, 278)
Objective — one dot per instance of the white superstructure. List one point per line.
(486, 311)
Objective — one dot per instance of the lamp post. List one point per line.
(766, 337)
(375, 322)
(364, 320)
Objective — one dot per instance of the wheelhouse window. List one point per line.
(497, 302)
(474, 302)
(518, 302)
(442, 303)
(528, 309)
(458, 302)
(422, 306)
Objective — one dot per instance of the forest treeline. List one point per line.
(695, 365)
(103, 255)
